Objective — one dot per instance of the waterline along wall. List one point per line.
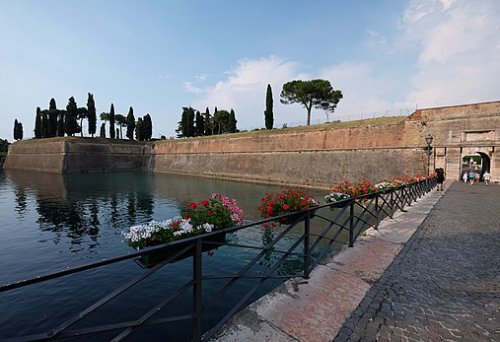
(314, 157)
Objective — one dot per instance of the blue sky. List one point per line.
(387, 57)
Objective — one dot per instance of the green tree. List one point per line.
(186, 125)
(38, 124)
(231, 124)
(139, 129)
(18, 130)
(208, 122)
(121, 120)
(311, 94)
(4, 146)
(221, 121)
(148, 127)
(91, 115)
(112, 122)
(70, 121)
(103, 131)
(130, 124)
(52, 115)
(268, 113)
(82, 114)
(45, 124)
(200, 124)
(60, 123)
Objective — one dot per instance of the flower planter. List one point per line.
(295, 216)
(151, 259)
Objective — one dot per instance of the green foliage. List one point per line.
(18, 130)
(45, 124)
(130, 124)
(112, 122)
(208, 123)
(311, 94)
(139, 129)
(70, 120)
(60, 123)
(38, 124)
(268, 113)
(148, 127)
(186, 125)
(91, 114)
(52, 115)
(103, 131)
(4, 146)
(221, 122)
(231, 125)
(200, 124)
(212, 211)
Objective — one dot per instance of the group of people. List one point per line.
(473, 176)
(470, 177)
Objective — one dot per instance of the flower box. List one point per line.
(150, 260)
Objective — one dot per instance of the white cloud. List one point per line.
(458, 61)
(244, 89)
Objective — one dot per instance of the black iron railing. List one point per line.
(340, 223)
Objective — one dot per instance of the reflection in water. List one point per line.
(70, 205)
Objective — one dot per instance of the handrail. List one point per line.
(359, 211)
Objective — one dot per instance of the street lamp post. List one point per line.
(428, 141)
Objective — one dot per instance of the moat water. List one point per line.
(50, 222)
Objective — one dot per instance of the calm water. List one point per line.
(51, 222)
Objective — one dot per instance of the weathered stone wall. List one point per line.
(313, 168)
(317, 157)
(60, 155)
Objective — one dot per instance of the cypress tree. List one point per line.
(200, 125)
(208, 122)
(112, 122)
(117, 133)
(20, 131)
(190, 122)
(16, 130)
(60, 123)
(53, 114)
(130, 124)
(45, 124)
(268, 114)
(38, 124)
(139, 129)
(103, 130)
(70, 121)
(181, 125)
(148, 127)
(91, 115)
(231, 125)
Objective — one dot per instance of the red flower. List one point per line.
(285, 206)
(193, 205)
(204, 203)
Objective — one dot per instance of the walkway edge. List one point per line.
(316, 309)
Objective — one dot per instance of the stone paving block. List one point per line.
(316, 312)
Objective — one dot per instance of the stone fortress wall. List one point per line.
(316, 157)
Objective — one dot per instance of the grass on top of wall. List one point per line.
(330, 125)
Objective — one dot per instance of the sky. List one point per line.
(388, 57)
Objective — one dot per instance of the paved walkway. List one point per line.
(445, 283)
(316, 309)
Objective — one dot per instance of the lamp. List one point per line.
(428, 141)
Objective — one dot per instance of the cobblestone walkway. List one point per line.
(445, 283)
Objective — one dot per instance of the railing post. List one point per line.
(377, 211)
(197, 303)
(392, 202)
(307, 228)
(351, 223)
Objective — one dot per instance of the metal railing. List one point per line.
(351, 217)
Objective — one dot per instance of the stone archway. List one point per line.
(486, 154)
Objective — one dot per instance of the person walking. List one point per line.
(440, 178)
(465, 177)
(471, 177)
(487, 178)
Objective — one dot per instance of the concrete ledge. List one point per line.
(315, 309)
